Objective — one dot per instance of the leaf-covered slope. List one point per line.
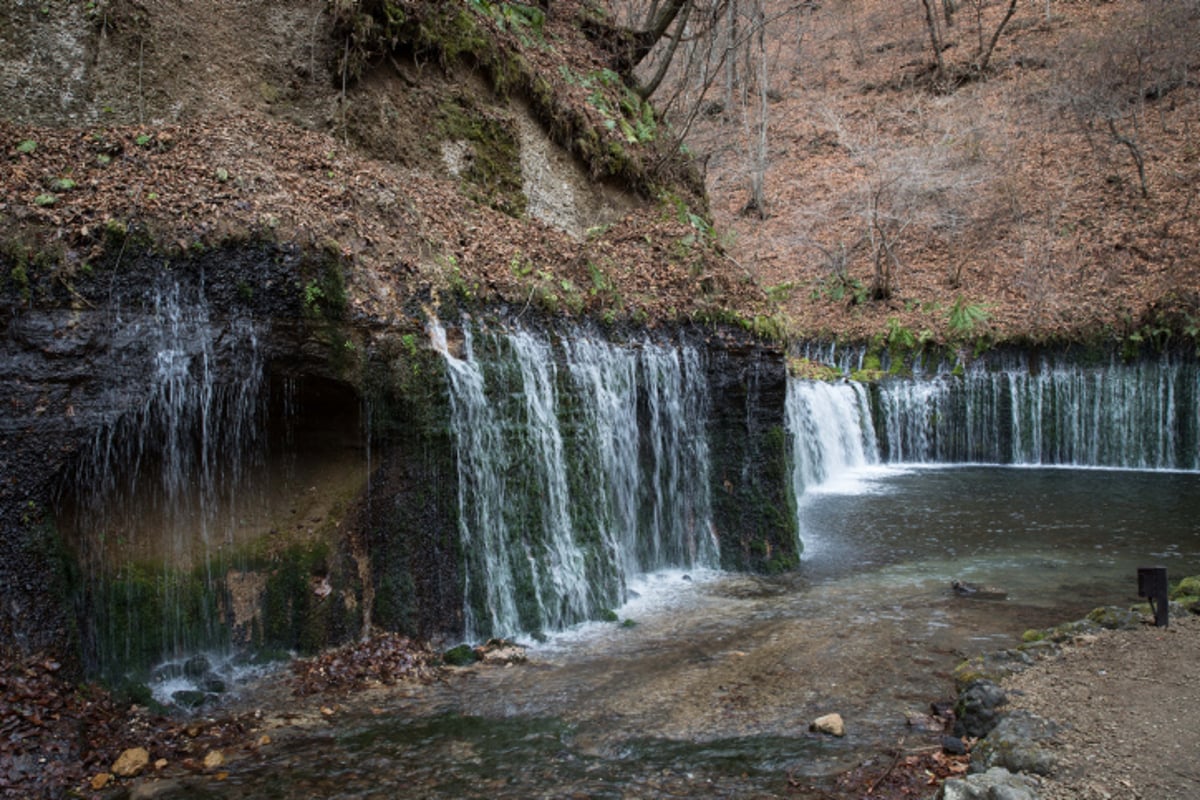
(388, 133)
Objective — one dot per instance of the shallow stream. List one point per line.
(710, 693)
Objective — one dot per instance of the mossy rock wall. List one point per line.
(408, 521)
(753, 509)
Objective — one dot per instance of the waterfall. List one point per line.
(831, 430)
(1047, 411)
(581, 464)
(155, 491)
(1042, 410)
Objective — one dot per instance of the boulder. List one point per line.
(831, 724)
(1017, 743)
(1187, 587)
(196, 667)
(501, 651)
(1115, 618)
(994, 666)
(131, 762)
(460, 656)
(995, 784)
(976, 709)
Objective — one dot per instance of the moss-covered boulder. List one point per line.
(462, 655)
(1189, 587)
(1115, 618)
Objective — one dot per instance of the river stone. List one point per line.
(954, 746)
(1017, 743)
(214, 684)
(460, 656)
(1069, 631)
(976, 709)
(190, 699)
(160, 790)
(995, 784)
(1042, 649)
(1115, 618)
(831, 724)
(131, 762)
(501, 651)
(196, 667)
(994, 667)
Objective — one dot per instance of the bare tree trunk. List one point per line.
(649, 88)
(731, 31)
(757, 118)
(935, 39)
(986, 55)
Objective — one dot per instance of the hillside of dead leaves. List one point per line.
(1014, 191)
(1009, 197)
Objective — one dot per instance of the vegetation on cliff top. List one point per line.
(875, 176)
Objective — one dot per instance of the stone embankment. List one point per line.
(1102, 707)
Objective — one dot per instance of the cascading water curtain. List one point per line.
(1143, 415)
(580, 464)
(1002, 410)
(155, 492)
(831, 430)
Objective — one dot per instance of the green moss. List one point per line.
(1032, 635)
(293, 615)
(144, 611)
(493, 176)
(1189, 586)
(461, 656)
(20, 281)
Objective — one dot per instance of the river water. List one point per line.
(709, 690)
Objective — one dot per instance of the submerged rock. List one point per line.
(964, 589)
(189, 698)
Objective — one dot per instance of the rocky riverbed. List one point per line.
(1110, 713)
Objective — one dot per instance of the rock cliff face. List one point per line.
(752, 500)
(133, 401)
(221, 421)
(207, 450)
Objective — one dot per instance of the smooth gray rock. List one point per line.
(1018, 743)
(995, 784)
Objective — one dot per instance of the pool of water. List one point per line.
(709, 693)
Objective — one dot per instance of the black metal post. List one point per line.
(1152, 584)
